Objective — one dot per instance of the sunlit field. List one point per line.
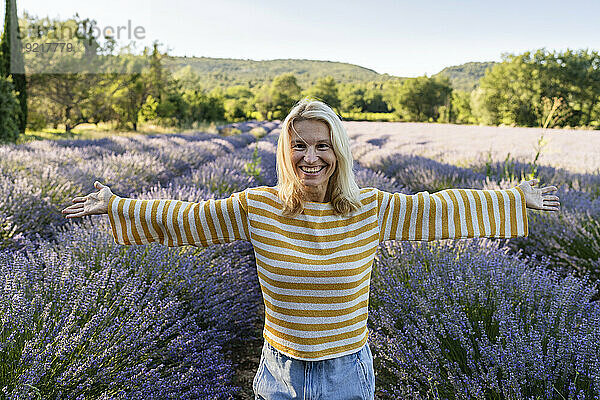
(85, 318)
(569, 149)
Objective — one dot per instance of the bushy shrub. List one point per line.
(463, 319)
(36, 120)
(223, 176)
(265, 157)
(422, 174)
(258, 132)
(366, 177)
(570, 238)
(28, 210)
(227, 131)
(91, 319)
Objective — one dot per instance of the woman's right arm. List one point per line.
(174, 222)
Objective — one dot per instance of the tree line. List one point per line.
(519, 91)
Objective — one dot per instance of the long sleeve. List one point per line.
(452, 214)
(178, 223)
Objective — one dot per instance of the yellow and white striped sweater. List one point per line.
(315, 268)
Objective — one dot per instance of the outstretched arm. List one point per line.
(459, 213)
(169, 222)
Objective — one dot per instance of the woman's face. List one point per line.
(312, 153)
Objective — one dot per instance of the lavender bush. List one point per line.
(569, 238)
(91, 319)
(223, 176)
(419, 173)
(464, 320)
(40, 178)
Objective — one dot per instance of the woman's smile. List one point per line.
(312, 170)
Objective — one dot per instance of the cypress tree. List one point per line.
(9, 112)
(11, 59)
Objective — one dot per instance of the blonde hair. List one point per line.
(342, 188)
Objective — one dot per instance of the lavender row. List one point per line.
(570, 238)
(465, 320)
(38, 179)
(92, 319)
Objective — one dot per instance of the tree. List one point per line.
(86, 96)
(9, 112)
(374, 100)
(508, 93)
(262, 101)
(11, 59)
(284, 93)
(352, 98)
(483, 107)
(172, 106)
(81, 98)
(579, 74)
(188, 79)
(326, 90)
(512, 92)
(129, 99)
(237, 101)
(158, 76)
(419, 99)
(461, 106)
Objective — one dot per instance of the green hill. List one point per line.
(466, 76)
(223, 72)
(227, 71)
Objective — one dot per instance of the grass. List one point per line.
(102, 130)
(370, 116)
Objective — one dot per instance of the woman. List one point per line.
(315, 236)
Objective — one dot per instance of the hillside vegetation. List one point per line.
(466, 76)
(223, 72)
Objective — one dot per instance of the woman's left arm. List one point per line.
(461, 213)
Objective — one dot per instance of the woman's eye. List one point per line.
(298, 146)
(323, 146)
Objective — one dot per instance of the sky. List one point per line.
(402, 38)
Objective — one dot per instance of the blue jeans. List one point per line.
(347, 377)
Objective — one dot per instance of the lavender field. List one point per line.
(85, 318)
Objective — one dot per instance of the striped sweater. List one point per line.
(314, 269)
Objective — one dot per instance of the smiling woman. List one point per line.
(315, 236)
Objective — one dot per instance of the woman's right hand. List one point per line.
(92, 204)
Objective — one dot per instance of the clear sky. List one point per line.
(403, 38)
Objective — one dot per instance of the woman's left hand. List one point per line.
(540, 198)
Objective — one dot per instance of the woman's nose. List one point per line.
(310, 155)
